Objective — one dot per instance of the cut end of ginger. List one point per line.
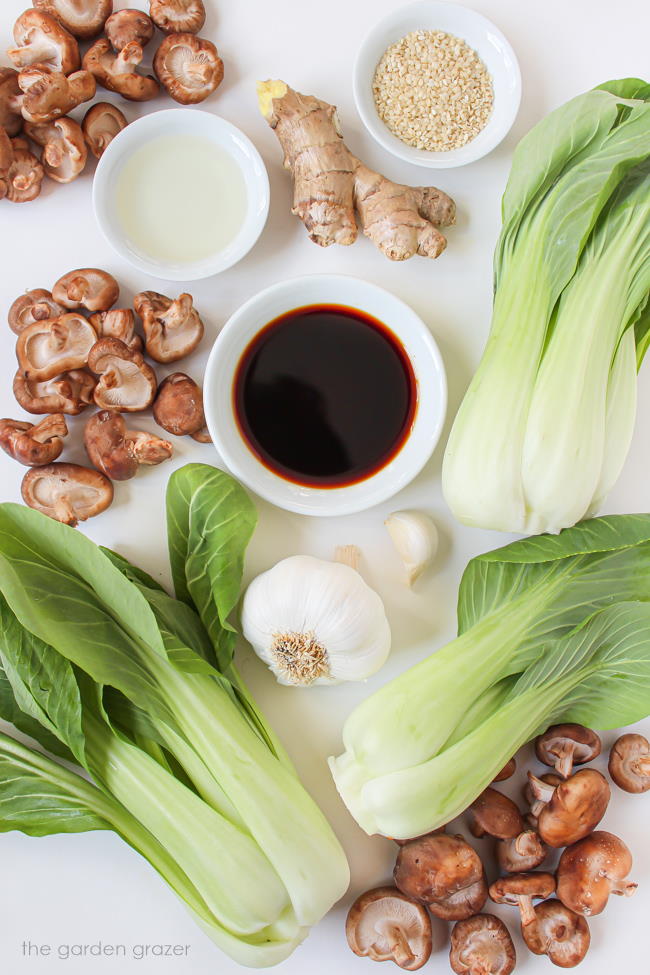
(266, 92)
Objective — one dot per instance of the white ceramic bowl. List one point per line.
(418, 343)
(482, 36)
(182, 121)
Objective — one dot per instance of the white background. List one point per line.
(80, 889)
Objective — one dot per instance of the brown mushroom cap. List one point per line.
(67, 492)
(83, 18)
(566, 745)
(520, 888)
(36, 305)
(557, 932)
(574, 809)
(46, 349)
(172, 328)
(592, 869)
(202, 435)
(49, 94)
(118, 452)
(521, 853)
(64, 148)
(87, 287)
(125, 26)
(400, 842)
(174, 16)
(188, 67)
(69, 393)
(481, 945)
(117, 71)
(41, 39)
(11, 119)
(494, 814)
(118, 323)
(127, 383)
(385, 925)
(25, 176)
(506, 772)
(34, 444)
(444, 872)
(178, 407)
(462, 903)
(629, 763)
(101, 123)
(6, 162)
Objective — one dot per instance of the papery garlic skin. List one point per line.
(415, 537)
(315, 622)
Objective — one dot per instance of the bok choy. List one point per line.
(551, 629)
(101, 666)
(546, 423)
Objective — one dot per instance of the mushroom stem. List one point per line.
(77, 289)
(23, 181)
(526, 909)
(178, 311)
(111, 379)
(35, 52)
(130, 55)
(543, 792)
(41, 311)
(64, 512)
(641, 766)
(200, 70)
(475, 963)
(50, 426)
(53, 155)
(399, 945)
(624, 888)
(564, 754)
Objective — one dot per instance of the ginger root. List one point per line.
(330, 183)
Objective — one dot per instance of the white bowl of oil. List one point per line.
(181, 194)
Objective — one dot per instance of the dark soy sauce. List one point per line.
(325, 395)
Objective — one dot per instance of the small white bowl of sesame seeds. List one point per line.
(437, 84)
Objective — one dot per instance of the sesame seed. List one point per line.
(433, 91)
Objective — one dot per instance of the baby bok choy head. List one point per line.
(546, 423)
(552, 629)
(101, 665)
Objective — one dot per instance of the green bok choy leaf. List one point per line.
(546, 423)
(551, 628)
(140, 688)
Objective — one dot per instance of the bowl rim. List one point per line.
(302, 499)
(256, 178)
(430, 159)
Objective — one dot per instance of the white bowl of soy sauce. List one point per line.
(325, 394)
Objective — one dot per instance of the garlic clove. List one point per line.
(415, 537)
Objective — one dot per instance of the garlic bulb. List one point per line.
(415, 537)
(315, 622)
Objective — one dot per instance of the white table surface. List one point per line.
(75, 890)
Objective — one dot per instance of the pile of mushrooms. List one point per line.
(441, 874)
(75, 349)
(50, 78)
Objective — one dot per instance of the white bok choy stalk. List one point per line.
(546, 423)
(551, 628)
(103, 667)
(564, 454)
